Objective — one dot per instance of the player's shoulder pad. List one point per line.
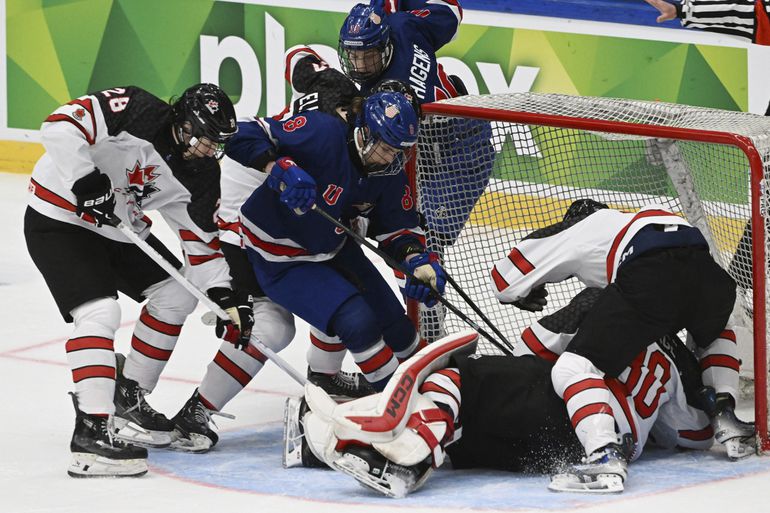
(134, 110)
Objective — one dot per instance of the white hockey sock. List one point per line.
(720, 364)
(325, 353)
(91, 355)
(157, 331)
(581, 385)
(377, 362)
(228, 373)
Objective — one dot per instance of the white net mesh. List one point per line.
(485, 183)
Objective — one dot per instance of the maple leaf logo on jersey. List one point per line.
(141, 181)
(79, 114)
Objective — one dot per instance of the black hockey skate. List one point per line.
(96, 453)
(737, 436)
(296, 450)
(135, 420)
(372, 470)
(343, 385)
(191, 426)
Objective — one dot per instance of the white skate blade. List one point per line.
(739, 448)
(574, 483)
(292, 438)
(393, 488)
(92, 465)
(194, 443)
(137, 435)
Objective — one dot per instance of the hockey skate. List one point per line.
(738, 437)
(191, 426)
(96, 453)
(372, 470)
(135, 420)
(296, 451)
(343, 385)
(604, 471)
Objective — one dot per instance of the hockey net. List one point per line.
(490, 169)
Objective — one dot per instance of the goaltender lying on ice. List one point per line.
(502, 412)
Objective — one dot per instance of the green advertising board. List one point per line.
(57, 50)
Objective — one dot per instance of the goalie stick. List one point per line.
(505, 346)
(201, 296)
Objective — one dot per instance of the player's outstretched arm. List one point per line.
(667, 11)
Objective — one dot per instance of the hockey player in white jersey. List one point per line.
(657, 278)
(504, 413)
(112, 155)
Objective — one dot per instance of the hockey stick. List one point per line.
(505, 346)
(202, 297)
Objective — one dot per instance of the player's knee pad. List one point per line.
(273, 324)
(356, 324)
(169, 301)
(567, 366)
(100, 317)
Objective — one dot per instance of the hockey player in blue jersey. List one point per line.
(399, 39)
(302, 261)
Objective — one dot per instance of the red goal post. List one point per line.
(492, 168)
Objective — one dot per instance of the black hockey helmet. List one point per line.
(582, 208)
(203, 111)
(393, 85)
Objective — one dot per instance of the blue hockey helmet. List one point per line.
(364, 47)
(387, 118)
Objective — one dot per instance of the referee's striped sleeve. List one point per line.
(734, 18)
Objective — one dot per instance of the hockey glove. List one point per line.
(95, 199)
(429, 278)
(297, 188)
(535, 301)
(240, 308)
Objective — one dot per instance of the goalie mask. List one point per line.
(364, 47)
(203, 121)
(387, 127)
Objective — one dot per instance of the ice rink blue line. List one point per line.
(250, 460)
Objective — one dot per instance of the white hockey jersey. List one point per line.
(125, 133)
(590, 250)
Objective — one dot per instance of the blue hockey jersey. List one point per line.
(318, 143)
(419, 28)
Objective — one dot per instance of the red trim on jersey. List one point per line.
(255, 353)
(89, 106)
(190, 236)
(231, 368)
(80, 343)
(619, 237)
(202, 259)
(93, 371)
(150, 351)
(720, 360)
(172, 330)
(63, 117)
(326, 346)
(520, 261)
(55, 200)
(234, 227)
(698, 435)
(402, 233)
(500, 282)
(636, 371)
(581, 386)
(376, 362)
(620, 391)
(729, 335)
(272, 247)
(446, 84)
(588, 410)
(536, 346)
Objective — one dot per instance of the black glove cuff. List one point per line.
(222, 296)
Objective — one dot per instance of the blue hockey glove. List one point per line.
(297, 188)
(429, 275)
